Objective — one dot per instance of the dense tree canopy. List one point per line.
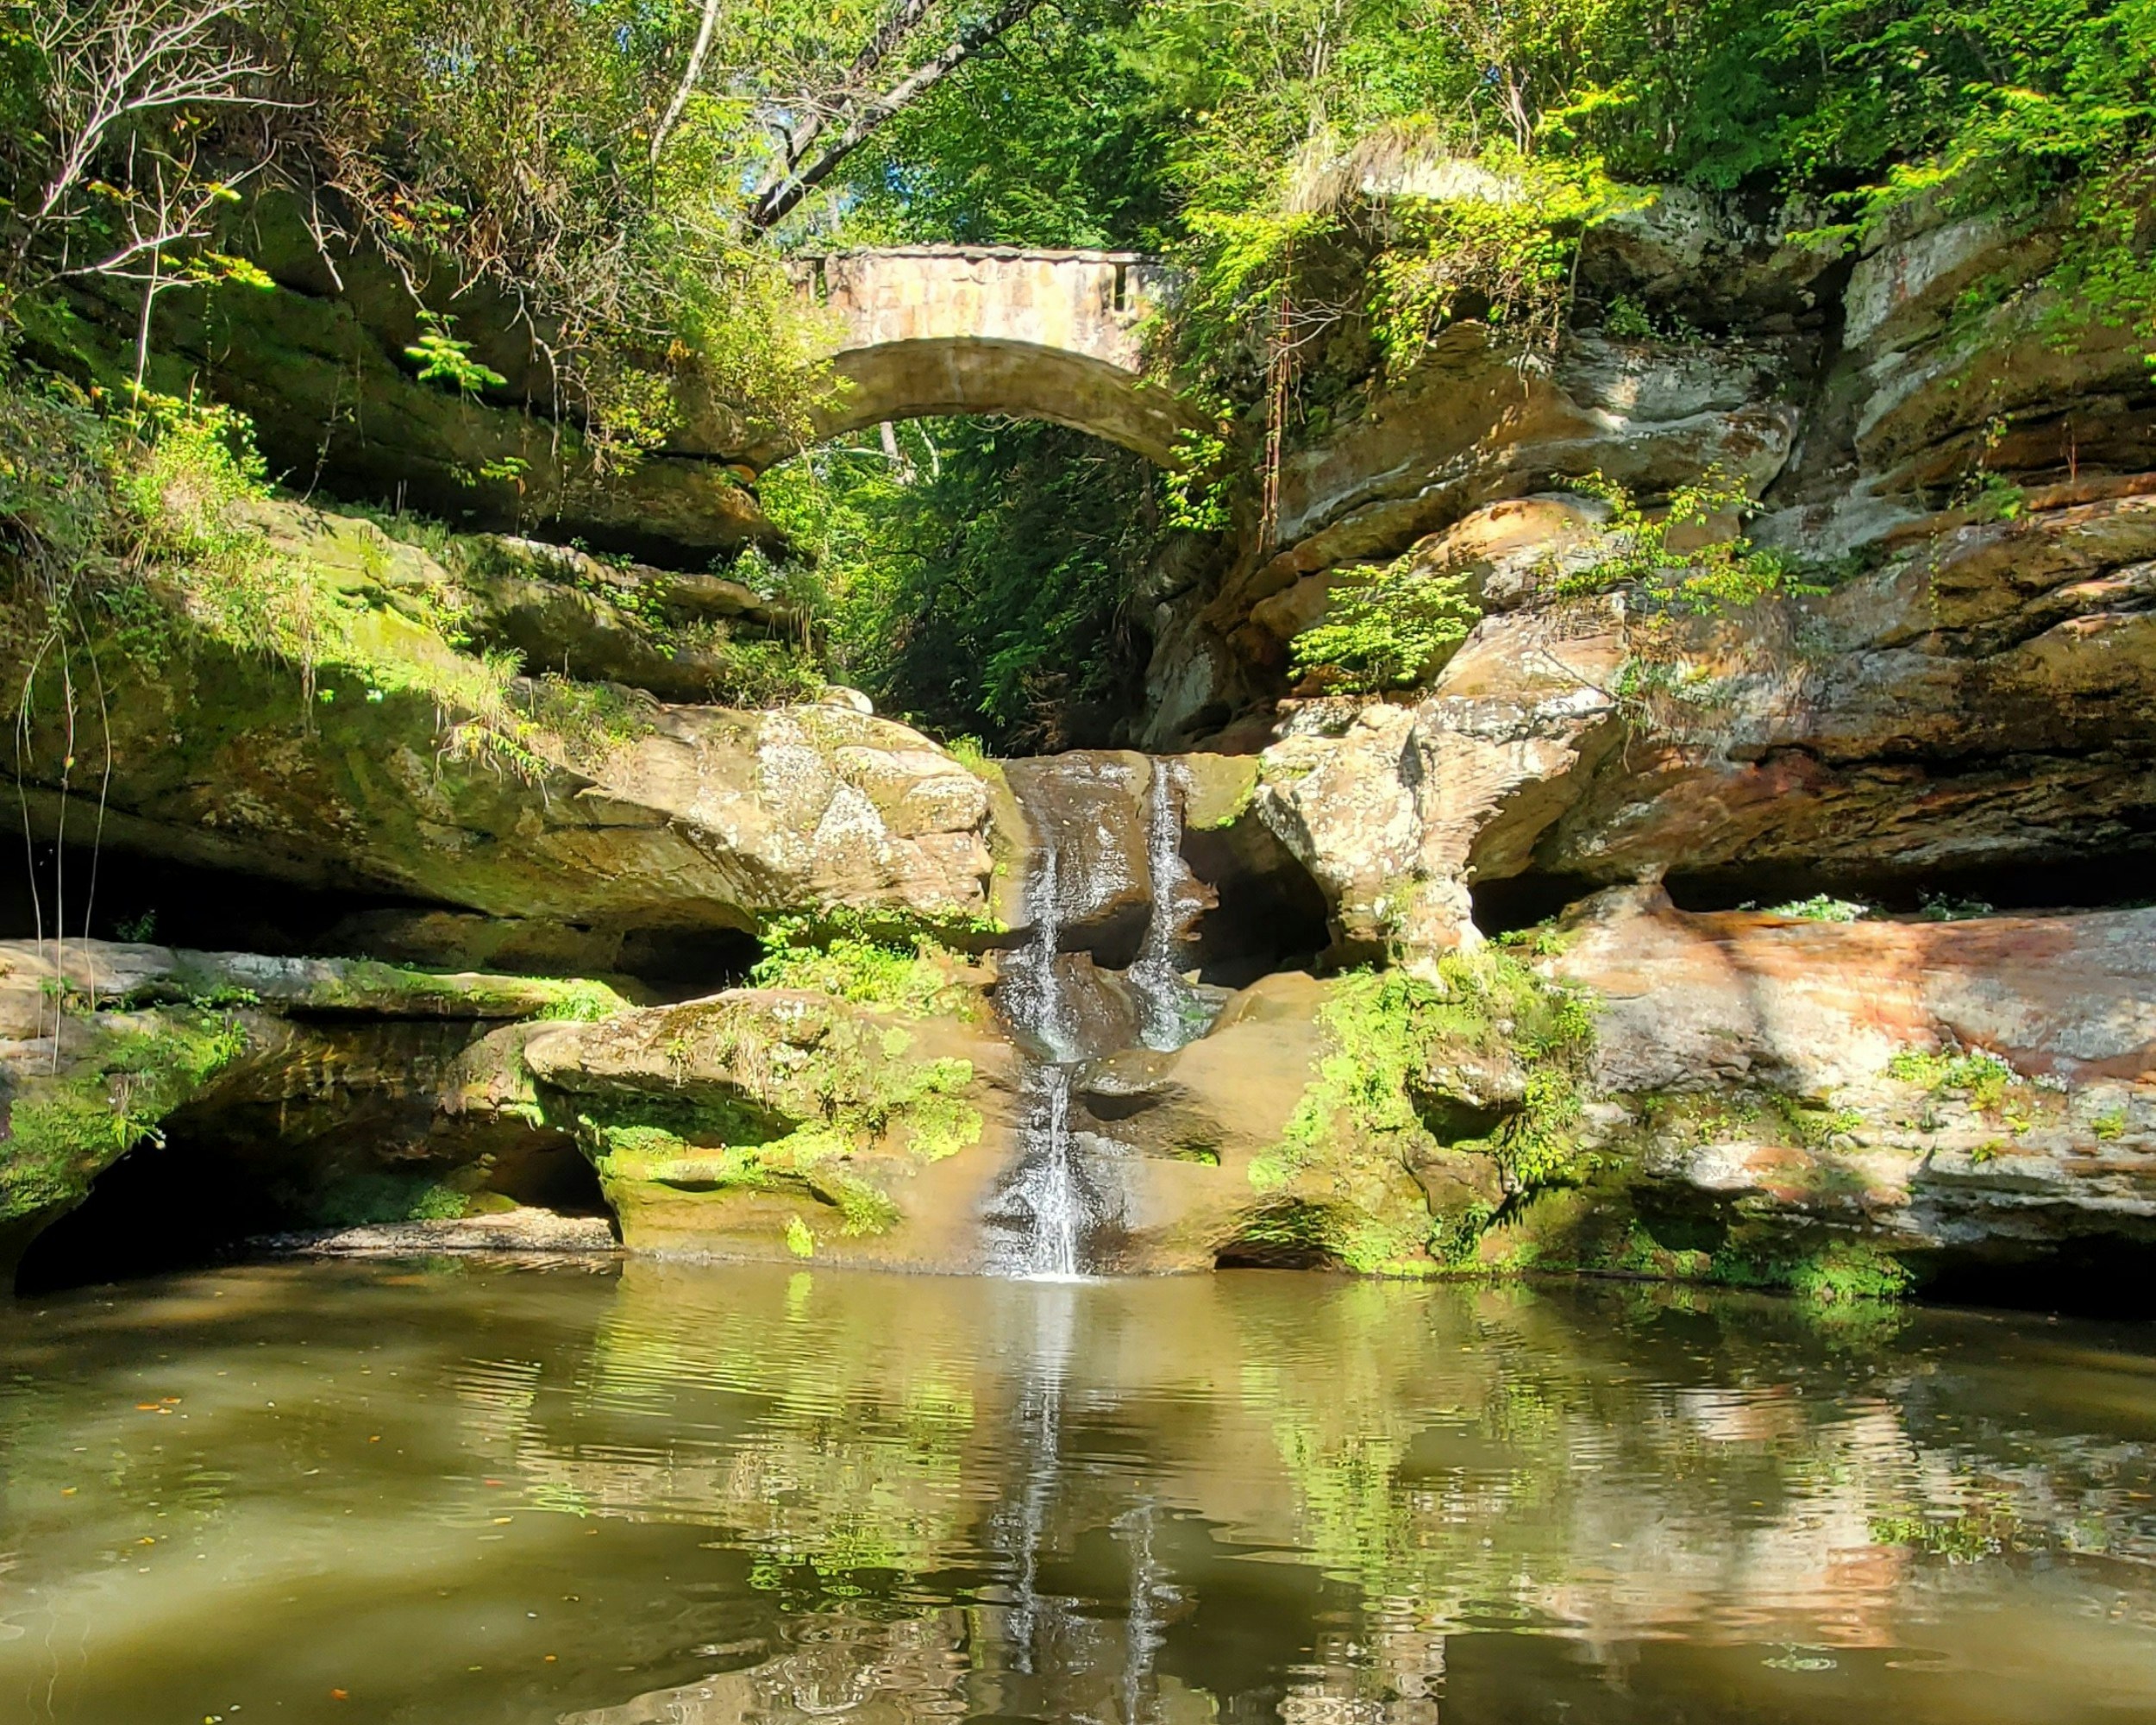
(633, 173)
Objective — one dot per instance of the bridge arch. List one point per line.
(1030, 334)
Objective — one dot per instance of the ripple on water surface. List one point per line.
(678, 1496)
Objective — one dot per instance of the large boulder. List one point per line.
(399, 762)
(1759, 1099)
(1973, 1093)
(785, 1124)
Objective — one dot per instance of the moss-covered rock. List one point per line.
(41, 983)
(369, 747)
(98, 1093)
(317, 359)
(772, 1123)
(315, 1092)
(1371, 1121)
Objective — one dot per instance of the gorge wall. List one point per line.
(1584, 1047)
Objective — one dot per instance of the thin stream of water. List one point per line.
(1038, 1223)
(1170, 1011)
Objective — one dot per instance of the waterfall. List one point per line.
(1042, 1209)
(1082, 809)
(1170, 1008)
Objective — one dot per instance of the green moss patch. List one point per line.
(901, 966)
(779, 1095)
(1379, 1090)
(131, 1071)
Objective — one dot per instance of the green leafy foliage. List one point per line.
(1386, 1036)
(378, 1196)
(1822, 908)
(1687, 558)
(867, 964)
(439, 354)
(66, 1128)
(980, 587)
(1841, 1273)
(1387, 630)
(1984, 1078)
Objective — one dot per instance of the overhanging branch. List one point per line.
(796, 181)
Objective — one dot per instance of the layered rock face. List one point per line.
(607, 807)
(1970, 693)
(1765, 1098)
(1962, 700)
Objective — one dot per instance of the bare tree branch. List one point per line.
(894, 31)
(690, 73)
(785, 192)
(111, 70)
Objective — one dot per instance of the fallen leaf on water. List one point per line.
(340, 1695)
(145, 1407)
(502, 1521)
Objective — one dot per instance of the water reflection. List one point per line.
(430, 1494)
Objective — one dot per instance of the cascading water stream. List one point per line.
(1044, 1192)
(1040, 1223)
(1171, 1012)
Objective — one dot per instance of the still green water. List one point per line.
(446, 1494)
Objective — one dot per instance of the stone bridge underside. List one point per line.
(1034, 335)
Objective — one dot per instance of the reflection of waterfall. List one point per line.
(1108, 850)
(1040, 1422)
(1142, 1631)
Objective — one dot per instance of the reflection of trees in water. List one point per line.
(1608, 1467)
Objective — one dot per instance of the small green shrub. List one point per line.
(1706, 580)
(1386, 631)
(439, 355)
(1986, 1077)
(799, 1240)
(1822, 908)
(854, 960)
(1817, 1128)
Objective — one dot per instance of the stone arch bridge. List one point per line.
(1034, 335)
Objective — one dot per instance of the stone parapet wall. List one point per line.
(1088, 303)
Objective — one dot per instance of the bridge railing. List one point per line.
(1083, 302)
